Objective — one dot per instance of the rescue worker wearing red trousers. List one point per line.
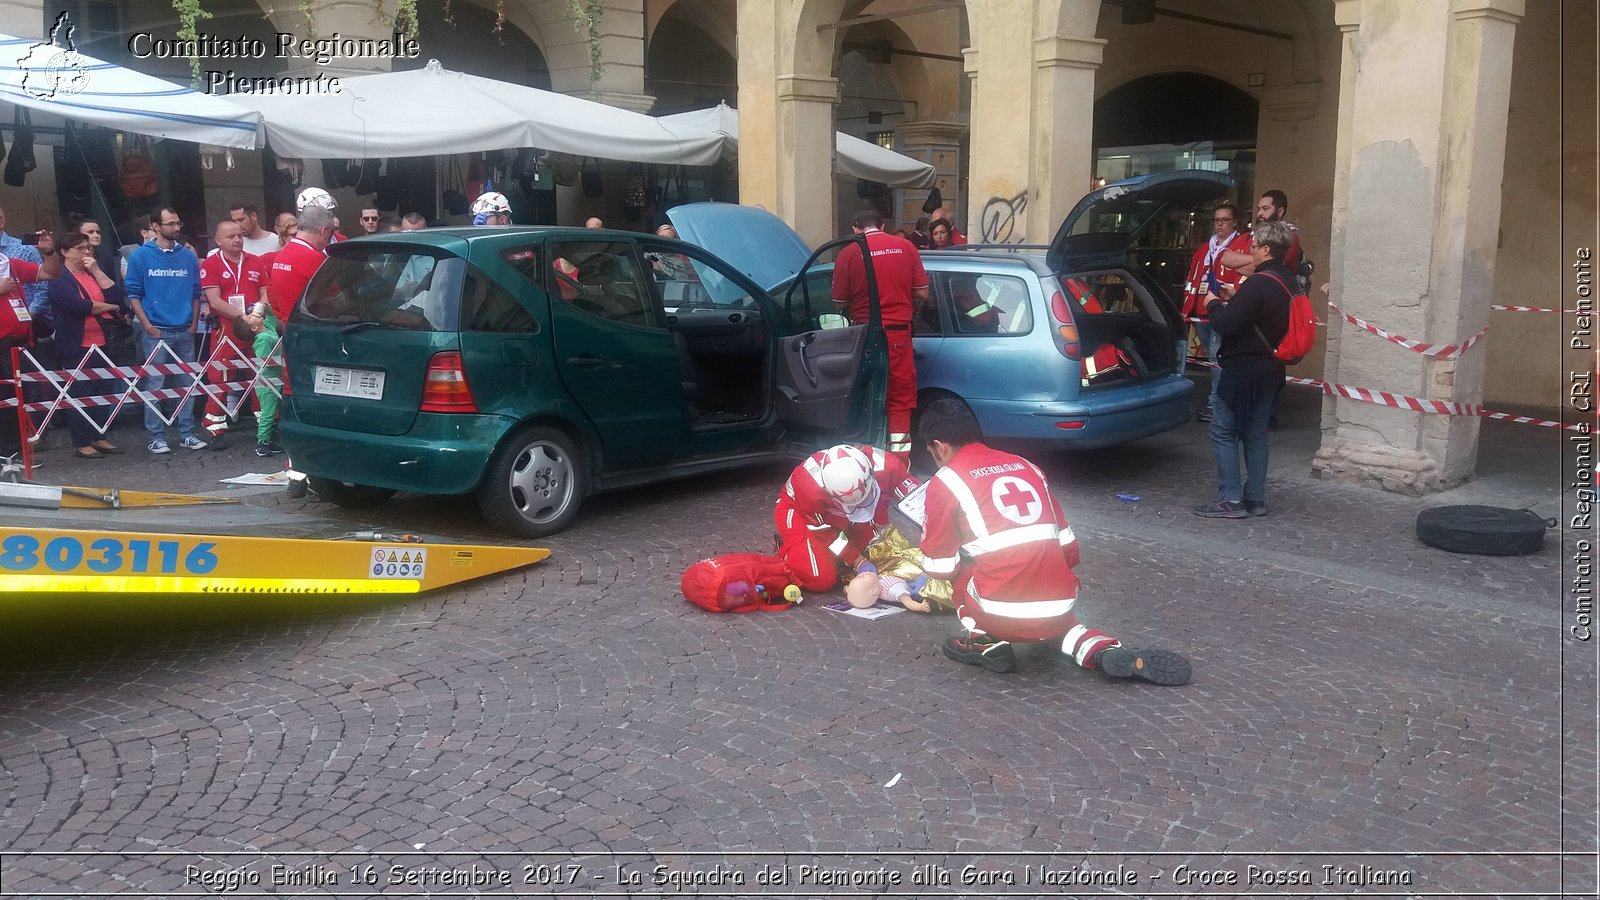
(995, 530)
(902, 286)
(830, 509)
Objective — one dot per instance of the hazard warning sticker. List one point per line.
(398, 562)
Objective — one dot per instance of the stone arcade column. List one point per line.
(1421, 156)
(1063, 133)
(1020, 190)
(786, 116)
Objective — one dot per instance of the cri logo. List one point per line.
(52, 69)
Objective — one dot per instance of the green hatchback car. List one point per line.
(535, 366)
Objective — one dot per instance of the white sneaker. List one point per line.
(193, 443)
(159, 446)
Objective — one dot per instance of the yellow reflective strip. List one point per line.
(977, 311)
(170, 584)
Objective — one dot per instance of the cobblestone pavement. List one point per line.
(1354, 692)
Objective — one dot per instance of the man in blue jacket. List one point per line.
(164, 290)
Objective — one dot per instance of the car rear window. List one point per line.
(393, 288)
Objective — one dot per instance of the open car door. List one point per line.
(832, 375)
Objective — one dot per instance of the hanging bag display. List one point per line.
(593, 184)
(456, 202)
(21, 160)
(137, 177)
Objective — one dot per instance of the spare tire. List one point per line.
(1486, 530)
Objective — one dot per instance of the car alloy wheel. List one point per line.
(535, 483)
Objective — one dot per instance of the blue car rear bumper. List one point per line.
(1128, 413)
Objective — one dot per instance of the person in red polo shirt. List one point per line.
(232, 281)
(299, 259)
(902, 286)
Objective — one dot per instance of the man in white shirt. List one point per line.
(257, 240)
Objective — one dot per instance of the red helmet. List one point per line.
(847, 477)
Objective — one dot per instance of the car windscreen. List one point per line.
(393, 288)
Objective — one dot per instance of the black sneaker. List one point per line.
(1255, 507)
(1203, 414)
(977, 650)
(1222, 509)
(1154, 666)
(216, 441)
(274, 446)
(264, 449)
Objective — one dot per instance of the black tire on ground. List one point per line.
(1486, 530)
(348, 495)
(535, 482)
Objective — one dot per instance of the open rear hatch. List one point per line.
(1127, 325)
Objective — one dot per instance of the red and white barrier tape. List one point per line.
(1505, 308)
(1441, 351)
(1414, 404)
(1498, 306)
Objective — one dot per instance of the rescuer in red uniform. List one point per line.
(997, 533)
(831, 507)
(902, 286)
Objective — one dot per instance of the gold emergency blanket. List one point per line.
(894, 555)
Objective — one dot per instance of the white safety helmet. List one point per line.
(491, 202)
(847, 477)
(314, 196)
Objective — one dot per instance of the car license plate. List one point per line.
(363, 383)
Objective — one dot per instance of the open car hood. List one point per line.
(751, 240)
(1106, 223)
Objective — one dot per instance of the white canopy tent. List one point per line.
(434, 111)
(44, 77)
(856, 157)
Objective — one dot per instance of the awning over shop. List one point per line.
(856, 157)
(430, 111)
(44, 77)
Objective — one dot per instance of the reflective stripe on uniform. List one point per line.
(1024, 609)
(977, 311)
(1067, 536)
(940, 565)
(967, 502)
(839, 543)
(1011, 537)
(876, 456)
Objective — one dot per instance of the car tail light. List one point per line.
(1067, 331)
(1071, 424)
(1069, 341)
(1058, 308)
(444, 388)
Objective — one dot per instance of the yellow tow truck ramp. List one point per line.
(40, 560)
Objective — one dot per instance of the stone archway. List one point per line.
(690, 57)
(1176, 120)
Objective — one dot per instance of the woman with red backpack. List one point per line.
(1252, 321)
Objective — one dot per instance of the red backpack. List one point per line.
(1302, 331)
(737, 582)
